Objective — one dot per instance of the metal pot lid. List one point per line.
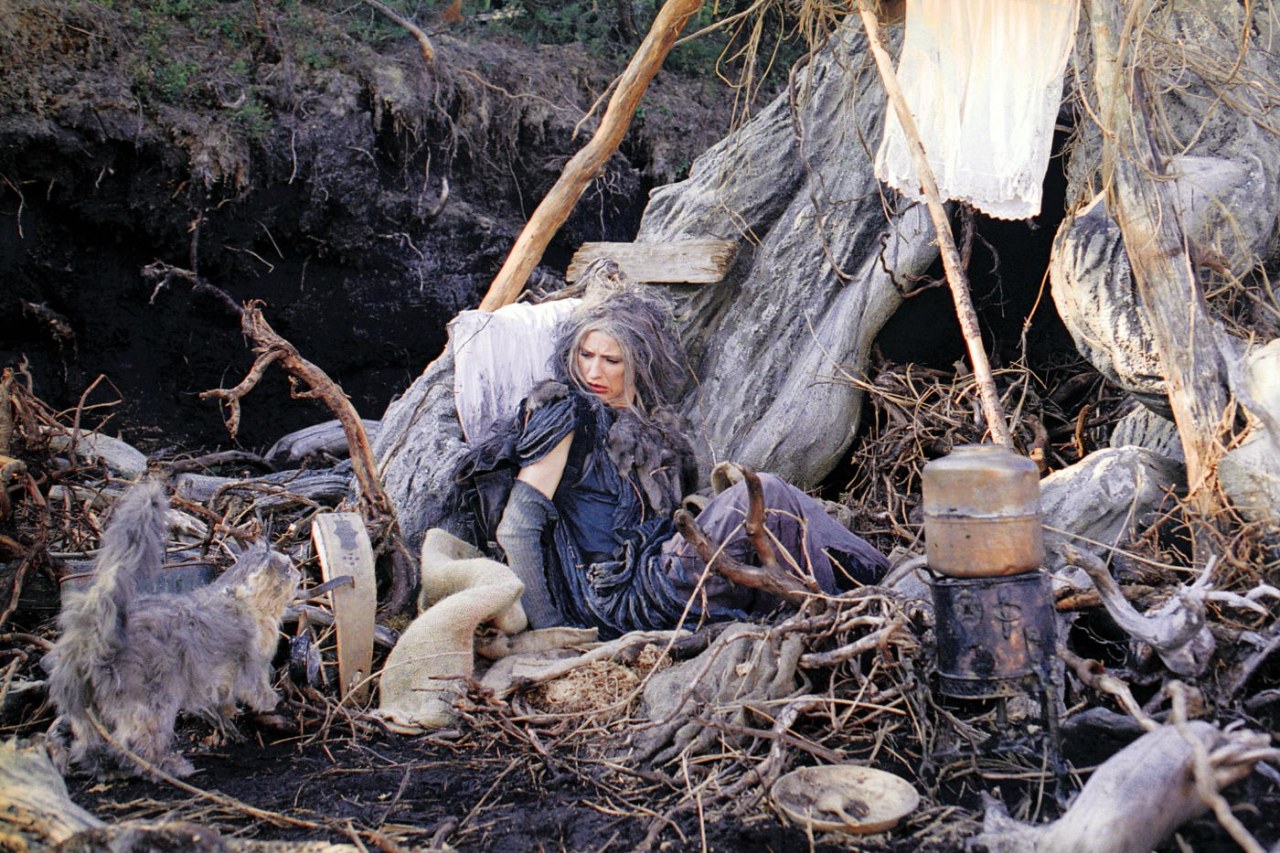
(844, 798)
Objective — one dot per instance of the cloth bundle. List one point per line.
(983, 79)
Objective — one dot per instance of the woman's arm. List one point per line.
(529, 511)
(544, 475)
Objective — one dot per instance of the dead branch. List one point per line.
(1140, 795)
(754, 525)
(607, 651)
(378, 512)
(766, 772)
(1177, 631)
(164, 274)
(6, 411)
(1215, 771)
(424, 42)
(849, 651)
(1095, 676)
(775, 580)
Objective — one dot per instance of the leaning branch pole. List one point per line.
(587, 164)
(1141, 200)
(956, 278)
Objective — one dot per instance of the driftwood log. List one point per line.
(1142, 794)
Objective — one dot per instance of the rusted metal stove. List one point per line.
(995, 623)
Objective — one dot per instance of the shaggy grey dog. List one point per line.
(135, 661)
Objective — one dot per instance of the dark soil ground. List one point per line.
(480, 788)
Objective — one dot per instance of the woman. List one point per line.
(603, 464)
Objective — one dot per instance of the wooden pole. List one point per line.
(956, 278)
(587, 164)
(1139, 196)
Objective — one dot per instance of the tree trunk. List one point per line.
(1141, 199)
(814, 281)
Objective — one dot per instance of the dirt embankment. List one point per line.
(303, 154)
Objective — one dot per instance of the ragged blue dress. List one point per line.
(615, 563)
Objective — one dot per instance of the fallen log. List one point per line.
(1139, 796)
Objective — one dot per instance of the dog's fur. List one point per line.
(135, 661)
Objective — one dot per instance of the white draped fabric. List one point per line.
(499, 357)
(983, 79)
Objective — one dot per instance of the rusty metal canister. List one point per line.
(996, 636)
(982, 513)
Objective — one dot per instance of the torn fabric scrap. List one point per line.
(983, 79)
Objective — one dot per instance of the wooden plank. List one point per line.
(342, 544)
(687, 261)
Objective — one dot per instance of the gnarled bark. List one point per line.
(814, 283)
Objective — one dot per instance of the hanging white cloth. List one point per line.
(983, 79)
(499, 357)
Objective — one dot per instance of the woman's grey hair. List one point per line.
(642, 322)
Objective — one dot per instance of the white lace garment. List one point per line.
(983, 79)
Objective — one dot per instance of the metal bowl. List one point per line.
(844, 798)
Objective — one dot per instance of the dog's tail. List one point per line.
(132, 550)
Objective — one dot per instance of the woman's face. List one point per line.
(602, 367)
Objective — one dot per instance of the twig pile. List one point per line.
(920, 413)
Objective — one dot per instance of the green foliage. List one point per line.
(597, 24)
(173, 80)
(253, 118)
(566, 23)
(182, 9)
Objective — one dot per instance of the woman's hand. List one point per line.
(544, 475)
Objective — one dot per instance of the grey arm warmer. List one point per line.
(527, 515)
